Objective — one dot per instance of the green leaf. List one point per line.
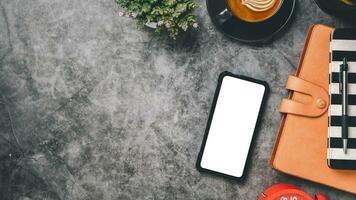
(146, 8)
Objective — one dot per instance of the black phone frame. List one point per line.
(211, 114)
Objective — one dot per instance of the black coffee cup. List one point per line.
(226, 14)
(256, 32)
(341, 8)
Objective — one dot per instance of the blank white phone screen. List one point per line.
(232, 126)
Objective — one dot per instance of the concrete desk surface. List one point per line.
(92, 108)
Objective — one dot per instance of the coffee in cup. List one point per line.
(254, 10)
(349, 2)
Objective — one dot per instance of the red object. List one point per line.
(288, 192)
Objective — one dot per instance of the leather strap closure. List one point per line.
(320, 98)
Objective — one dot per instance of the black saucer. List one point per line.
(259, 32)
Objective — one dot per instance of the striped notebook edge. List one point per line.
(342, 44)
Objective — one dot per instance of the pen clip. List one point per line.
(340, 78)
(345, 65)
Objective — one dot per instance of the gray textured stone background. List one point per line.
(92, 108)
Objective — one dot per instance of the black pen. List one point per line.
(343, 89)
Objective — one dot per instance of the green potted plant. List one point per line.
(172, 16)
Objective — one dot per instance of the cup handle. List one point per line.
(223, 16)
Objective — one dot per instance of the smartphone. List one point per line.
(234, 117)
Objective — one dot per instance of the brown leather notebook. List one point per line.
(301, 145)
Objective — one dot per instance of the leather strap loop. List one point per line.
(316, 108)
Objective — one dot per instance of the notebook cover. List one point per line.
(343, 45)
(301, 145)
